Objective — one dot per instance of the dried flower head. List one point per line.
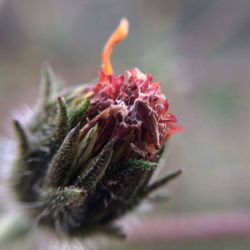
(86, 157)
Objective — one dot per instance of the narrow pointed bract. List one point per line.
(62, 123)
(59, 201)
(77, 108)
(113, 231)
(162, 182)
(47, 82)
(22, 137)
(61, 162)
(84, 151)
(90, 177)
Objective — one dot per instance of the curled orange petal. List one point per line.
(118, 35)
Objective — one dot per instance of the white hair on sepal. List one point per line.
(8, 144)
(24, 114)
(59, 243)
(8, 150)
(129, 221)
(8, 154)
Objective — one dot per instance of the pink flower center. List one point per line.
(133, 102)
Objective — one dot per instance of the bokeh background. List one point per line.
(199, 50)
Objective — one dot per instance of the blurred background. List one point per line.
(199, 50)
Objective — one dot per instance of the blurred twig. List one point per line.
(190, 227)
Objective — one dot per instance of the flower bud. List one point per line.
(87, 156)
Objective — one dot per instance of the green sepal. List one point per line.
(22, 138)
(142, 164)
(113, 231)
(49, 85)
(84, 150)
(61, 128)
(161, 152)
(162, 182)
(147, 169)
(61, 162)
(60, 200)
(96, 168)
(119, 151)
(147, 165)
(46, 84)
(77, 107)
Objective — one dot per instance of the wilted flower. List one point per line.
(87, 158)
